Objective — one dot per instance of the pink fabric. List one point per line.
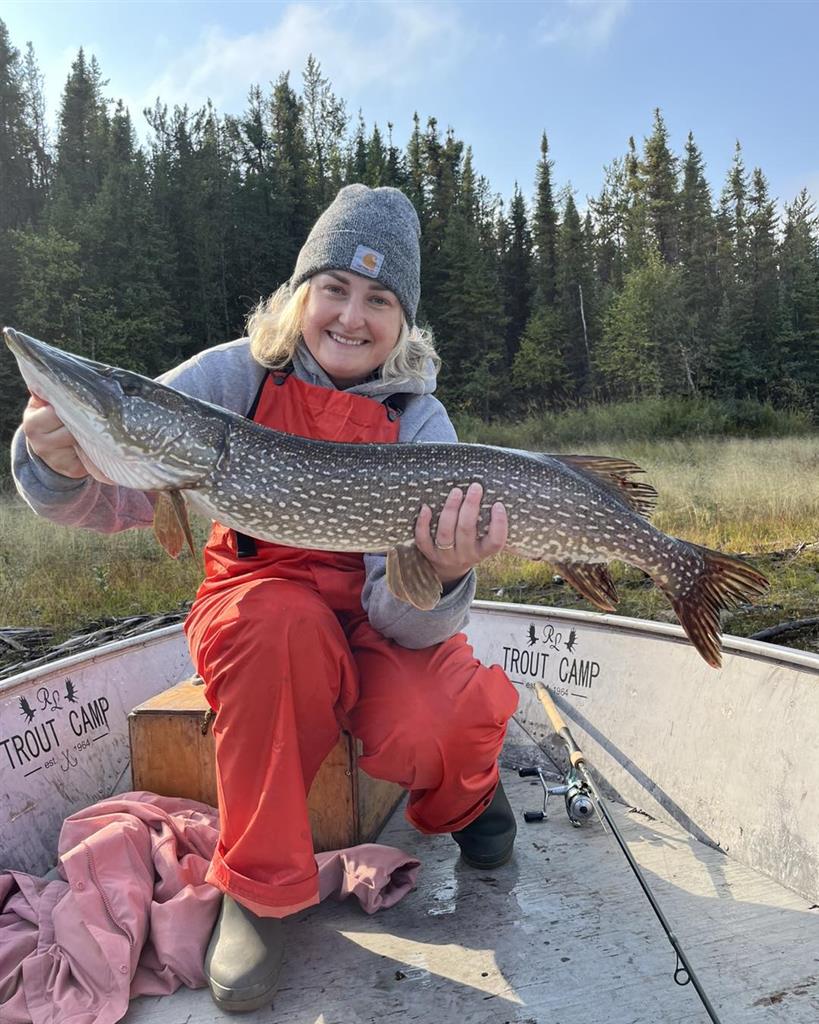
(378, 876)
(134, 915)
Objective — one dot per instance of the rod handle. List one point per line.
(526, 773)
(545, 699)
(559, 726)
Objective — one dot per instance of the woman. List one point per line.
(294, 644)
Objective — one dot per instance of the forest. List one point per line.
(140, 254)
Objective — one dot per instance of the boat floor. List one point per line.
(562, 933)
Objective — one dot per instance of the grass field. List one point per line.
(756, 497)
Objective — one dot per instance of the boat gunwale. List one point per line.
(646, 627)
(88, 657)
(670, 631)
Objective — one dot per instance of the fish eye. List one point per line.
(127, 384)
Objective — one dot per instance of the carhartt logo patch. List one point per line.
(367, 261)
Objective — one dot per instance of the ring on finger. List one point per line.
(444, 547)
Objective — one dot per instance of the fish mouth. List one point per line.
(44, 368)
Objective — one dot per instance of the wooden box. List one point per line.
(172, 754)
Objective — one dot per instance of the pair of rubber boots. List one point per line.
(245, 953)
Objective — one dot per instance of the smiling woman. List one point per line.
(295, 643)
(350, 325)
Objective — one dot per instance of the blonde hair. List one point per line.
(274, 329)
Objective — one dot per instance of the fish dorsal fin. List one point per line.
(614, 474)
(411, 578)
(592, 580)
(171, 524)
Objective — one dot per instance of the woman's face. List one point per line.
(350, 325)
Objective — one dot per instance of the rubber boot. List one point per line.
(244, 958)
(487, 842)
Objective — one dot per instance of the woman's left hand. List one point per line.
(457, 548)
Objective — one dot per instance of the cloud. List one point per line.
(361, 48)
(581, 24)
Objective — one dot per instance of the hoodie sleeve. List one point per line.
(425, 420)
(218, 375)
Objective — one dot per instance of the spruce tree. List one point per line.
(798, 340)
(395, 172)
(611, 216)
(325, 124)
(470, 325)
(574, 291)
(544, 232)
(659, 171)
(128, 317)
(730, 363)
(516, 275)
(763, 286)
(698, 260)
(376, 171)
(15, 170)
(82, 141)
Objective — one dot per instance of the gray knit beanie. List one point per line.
(370, 231)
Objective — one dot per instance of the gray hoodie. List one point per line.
(227, 375)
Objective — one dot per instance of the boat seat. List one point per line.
(172, 753)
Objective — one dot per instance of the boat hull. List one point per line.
(64, 737)
(729, 754)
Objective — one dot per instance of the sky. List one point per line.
(587, 72)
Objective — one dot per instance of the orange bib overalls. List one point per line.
(288, 657)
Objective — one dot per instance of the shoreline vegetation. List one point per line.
(757, 496)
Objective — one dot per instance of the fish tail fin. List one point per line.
(724, 582)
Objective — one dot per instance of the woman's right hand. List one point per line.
(49, 439)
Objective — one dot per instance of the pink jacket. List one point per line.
(134, 915)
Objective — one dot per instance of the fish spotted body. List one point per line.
(577, 512)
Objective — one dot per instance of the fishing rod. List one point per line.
(582, 796)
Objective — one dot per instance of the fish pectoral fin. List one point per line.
(615, 475)
(592, 580)
(171, 524)
(411, 577)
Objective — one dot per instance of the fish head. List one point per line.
(139, 432)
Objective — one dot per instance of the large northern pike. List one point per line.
(577, 512)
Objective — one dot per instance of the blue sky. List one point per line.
(588, 73)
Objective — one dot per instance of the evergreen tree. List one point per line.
(698, 260)
(516, 275)
(798, 340)
(470, 324)
(17, 169)
(357, 159)
(38, 153)
(395, 172)
(637, 227)
(326, 122)
(540, 374)
(82, 141)
(376, 171)
(611, 220)
(763, 286)
(574, 291)
(729, 366)
(659, 170)
(128, 319)
(297, 208)
(14, 172)
(544, 232)
(641, 353)
(440, 188)
(259, 240)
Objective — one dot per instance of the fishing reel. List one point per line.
(575, 792)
